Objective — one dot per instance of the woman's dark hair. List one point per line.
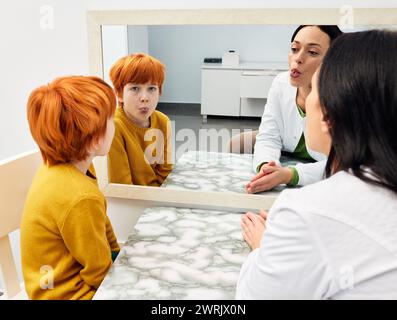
(331, 30)
(358, 94)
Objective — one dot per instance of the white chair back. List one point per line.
(16, 176)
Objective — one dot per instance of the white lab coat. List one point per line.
(280, 130)
(335, 239)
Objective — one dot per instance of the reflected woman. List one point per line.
(282, 128)
(336, 239)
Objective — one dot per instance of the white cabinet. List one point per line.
(220, 92)
(236, 91)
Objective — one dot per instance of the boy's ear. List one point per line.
(95, 146)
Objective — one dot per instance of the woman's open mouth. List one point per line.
(294, 73)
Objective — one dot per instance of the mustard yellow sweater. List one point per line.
(66, 235)
(127, 162)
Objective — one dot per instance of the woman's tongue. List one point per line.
(295, 73)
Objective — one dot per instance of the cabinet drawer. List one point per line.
(252, 107)
(255, 86)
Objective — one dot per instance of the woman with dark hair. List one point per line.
(283, 120)
(336, 239)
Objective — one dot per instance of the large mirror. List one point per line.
(204, 117)
(207, 100)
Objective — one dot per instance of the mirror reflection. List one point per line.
(190, 107)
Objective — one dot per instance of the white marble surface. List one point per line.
(213, 171)
(177, 253)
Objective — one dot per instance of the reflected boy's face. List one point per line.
(139, 102)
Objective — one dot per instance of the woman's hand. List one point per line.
(269, 176)
(253, 226)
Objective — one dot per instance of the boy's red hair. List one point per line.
(68, 115)
(136, 68)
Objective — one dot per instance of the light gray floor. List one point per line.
(190, 132)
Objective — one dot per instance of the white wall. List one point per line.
(138, 39)
(32, 54)
(115, 46)
(183, 48)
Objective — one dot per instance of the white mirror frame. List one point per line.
(273, 16)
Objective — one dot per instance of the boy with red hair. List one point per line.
(134, 157)
(67, 241)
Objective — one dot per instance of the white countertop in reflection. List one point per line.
(265, 66)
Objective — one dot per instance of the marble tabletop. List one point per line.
(178, 253)
(182, 253)
(213, 171)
